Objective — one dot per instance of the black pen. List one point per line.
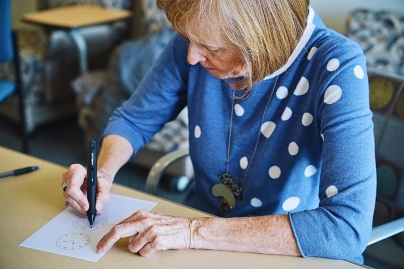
(92, 180)
(19, 171)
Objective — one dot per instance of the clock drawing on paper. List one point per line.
(72, 241)
(83, 224)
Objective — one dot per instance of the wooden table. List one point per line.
(72, 18)
(29, 201)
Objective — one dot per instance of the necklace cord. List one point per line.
(231, 125)
(259, 134)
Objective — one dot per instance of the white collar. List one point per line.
(302, 43)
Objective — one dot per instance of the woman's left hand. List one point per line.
(151, 232)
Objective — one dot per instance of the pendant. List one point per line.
(228, 201)
(231, 184)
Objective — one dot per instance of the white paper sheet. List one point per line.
(69, 233)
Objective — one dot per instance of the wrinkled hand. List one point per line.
(151, 232)
(76, 190)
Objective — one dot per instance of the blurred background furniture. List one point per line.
(381, 36)
(9, 52)
(72, 18)
(100, 92)
(387, 104)
(49, 62)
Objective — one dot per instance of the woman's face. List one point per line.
(221, 62)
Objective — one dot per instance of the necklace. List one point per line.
(230, 189)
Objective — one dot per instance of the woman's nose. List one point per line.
(195, 54)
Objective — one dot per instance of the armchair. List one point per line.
(101, 91)
(49, 62)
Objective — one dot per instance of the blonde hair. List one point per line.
(264, 32)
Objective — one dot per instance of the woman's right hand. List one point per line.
(76, 190)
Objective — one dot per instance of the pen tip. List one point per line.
(91, 226)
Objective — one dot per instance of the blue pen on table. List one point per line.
(19, 171)
(92, 181)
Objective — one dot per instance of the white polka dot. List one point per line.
(243, 162)
(287, 113)
(333, 64)
(331, 191)
(267, 128)
(312, 52)
(302, 87)
(256, 202)
(322, 136)
(310, 171)
(332, 94)
(290, 204)
(282, 92)
(238, 110)
(293, 149)
(358, 71)
(307, 119)
(197, 131)
(274, 172)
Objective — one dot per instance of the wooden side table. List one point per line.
(72, 18)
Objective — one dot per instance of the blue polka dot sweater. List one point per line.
(301, 144)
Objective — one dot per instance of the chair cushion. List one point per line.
(381, 36)
(6, 89)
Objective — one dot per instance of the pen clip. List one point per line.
(93, 153)
(92, 161)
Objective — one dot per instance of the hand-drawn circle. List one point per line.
(73, 241)
(83, 224)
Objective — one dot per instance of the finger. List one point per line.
(72, 203)
(165, 232)
(117, 232)
(145, 243)
(103, 194)
(151, 247)
(137, 216)
(76, 188)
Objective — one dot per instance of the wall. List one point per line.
(20, 7)
(333, 12)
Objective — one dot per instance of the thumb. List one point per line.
(102, 198)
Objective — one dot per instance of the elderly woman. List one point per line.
(281, 134)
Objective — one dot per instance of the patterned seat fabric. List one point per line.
(32, 44)
(100, 92)
(381, 36)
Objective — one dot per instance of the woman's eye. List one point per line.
(212, 48)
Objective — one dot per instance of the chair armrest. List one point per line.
(386, 230)
(158, 168)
